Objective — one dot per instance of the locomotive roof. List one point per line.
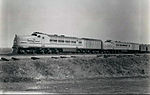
(61, 36)
(120, 42)
(66, 36)
(91, 39)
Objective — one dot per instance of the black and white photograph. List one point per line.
(74, 47)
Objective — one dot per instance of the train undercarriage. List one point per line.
(54, 50)
(33, 50)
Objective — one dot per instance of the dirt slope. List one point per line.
(74, 68)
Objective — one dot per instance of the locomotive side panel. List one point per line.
(92, 44)
(108, 45)
(117, 45)
(62, 42)
(135, 46)
(126, 46)
(142, 48)
(28, 41)
(123, 46)
(120, 47)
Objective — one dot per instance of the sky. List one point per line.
(122, 20)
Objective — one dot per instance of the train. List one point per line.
(42, 43)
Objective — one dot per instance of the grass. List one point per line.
(74, 68)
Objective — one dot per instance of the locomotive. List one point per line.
(41, 43)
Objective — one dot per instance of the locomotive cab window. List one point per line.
(38, 36)
(34, 34)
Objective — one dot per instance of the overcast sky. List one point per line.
(124, 20)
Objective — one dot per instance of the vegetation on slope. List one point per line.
(74, 68)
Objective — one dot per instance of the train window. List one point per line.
(38, 36)
(80, 42)
(67, 41)
(108, 41)
(34, 34)
(121, 45)
(73, 41)
(23, 42)
(61, 41)
(117, 44)
(50, 40)
(53, 40)
(125, 45)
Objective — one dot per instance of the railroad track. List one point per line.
(57, 56)
(34, 57)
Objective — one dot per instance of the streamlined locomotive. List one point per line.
(45, 44)
(41, 43)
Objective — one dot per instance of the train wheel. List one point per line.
(42, 51)
(78, 51)
(49, 51)
(33, 51)
(20, 51)
(45, 51)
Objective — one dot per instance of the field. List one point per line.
(74, 74)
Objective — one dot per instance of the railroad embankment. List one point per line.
(74, 68)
